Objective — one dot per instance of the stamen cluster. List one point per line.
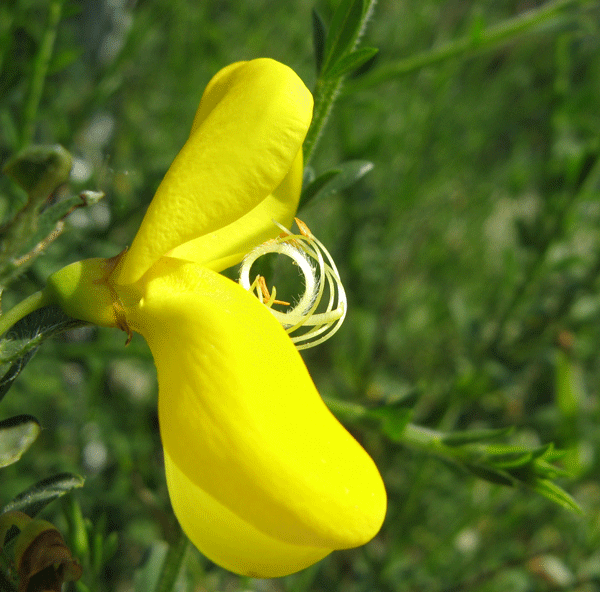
(318, 270)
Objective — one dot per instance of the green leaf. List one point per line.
(39, 170)
(20, 343)
(313, 188)
(510, 460)
(351, 62)
(48, 219)
(41, 233)
(547, 452)
(335, 180)
(111, 544)
(36, 498)
(17, 434)
(569, 385)
(556, 494)
(78, 534)
(488, 474)
(15, 369)
(346, 25)
(171, 567)
(147, 576)
(394, 418)
(63, 59)
(319, 35)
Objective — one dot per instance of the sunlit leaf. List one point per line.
(17, 434)
(556, 494)
(36, 498)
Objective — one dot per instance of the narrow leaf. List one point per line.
(557, 495)
(319, 35)
(511, 460)
(20, 343)
(48, 219)
(494, 476)
(569, 385)
(344, 31)
(17, 434)
(316, 185)
(171, 567)
(351, 62)
(15, 369)
(147, 576)
(36, 498)
(335, 180)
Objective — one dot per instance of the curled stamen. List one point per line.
(319, 272)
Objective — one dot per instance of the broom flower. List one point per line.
(262, 477)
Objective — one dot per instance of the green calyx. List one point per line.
(83, 291)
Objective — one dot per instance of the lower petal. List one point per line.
(228, 540)
(241, 418)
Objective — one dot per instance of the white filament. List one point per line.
(318, 270)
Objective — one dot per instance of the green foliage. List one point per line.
(347, 24)
(17, 434)
(39, 171)
(34, 499)
(333, 181)
(21, 342)
(469, 254)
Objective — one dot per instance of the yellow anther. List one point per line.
(303, 228)
(262, 284)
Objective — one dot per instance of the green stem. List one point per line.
(325, 94)
(345, 410)
(413, 435)
(172, 564)
(40, 70)
(487, 39)
(27, 306)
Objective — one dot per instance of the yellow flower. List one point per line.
(263, 479)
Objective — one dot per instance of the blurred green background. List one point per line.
(470, 254)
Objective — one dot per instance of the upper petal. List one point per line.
(241, 418)
(249, 127)
(229, 245)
